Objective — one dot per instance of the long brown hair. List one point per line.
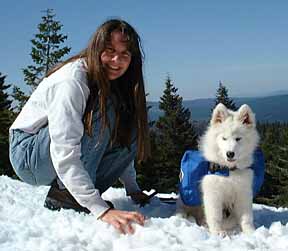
(129, 89)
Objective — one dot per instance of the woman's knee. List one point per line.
(21, 168)
(31, 164)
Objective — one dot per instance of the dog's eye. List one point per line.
(224, 138)
(238, 139)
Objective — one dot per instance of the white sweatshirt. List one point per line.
(60, 101)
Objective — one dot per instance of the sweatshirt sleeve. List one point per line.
(65, 112)
(128, 179)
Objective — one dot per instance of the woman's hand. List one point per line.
(122, 220)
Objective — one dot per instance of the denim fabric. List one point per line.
(30, 155)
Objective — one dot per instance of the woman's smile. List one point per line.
(116, 58)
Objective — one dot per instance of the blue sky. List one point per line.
(198, 43)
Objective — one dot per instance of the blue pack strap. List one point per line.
(258, 167)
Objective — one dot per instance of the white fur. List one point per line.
(233, 132)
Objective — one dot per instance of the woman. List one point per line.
(83, 126)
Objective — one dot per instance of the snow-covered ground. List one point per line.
(25, 225)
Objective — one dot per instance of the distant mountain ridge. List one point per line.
(267, 109)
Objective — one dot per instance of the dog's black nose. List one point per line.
(230, 155)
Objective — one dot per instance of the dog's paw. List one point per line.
(248, 229)
(221, 233)
(181, 214)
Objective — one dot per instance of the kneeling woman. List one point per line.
(83, 126)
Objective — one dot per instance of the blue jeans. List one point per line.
(30, 155)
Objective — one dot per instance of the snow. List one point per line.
(27, 226)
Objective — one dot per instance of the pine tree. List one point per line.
(147, 172)
(5, 122)
(46, 52)
(222, 97)
(175, 135)
(274, 142)
(20, 97)
(5, 103)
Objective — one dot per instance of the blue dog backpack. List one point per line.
(194, 166)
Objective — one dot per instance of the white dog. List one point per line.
(228, 143)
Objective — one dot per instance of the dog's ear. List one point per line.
(220, 113)
(246, 116)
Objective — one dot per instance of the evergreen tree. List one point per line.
(5, 122)
(274, 144)
(20, 97)
(175, 135)
(5, 103)
(46, 52)
(222, 97)
(148, 171)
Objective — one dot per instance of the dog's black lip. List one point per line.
(231, 160)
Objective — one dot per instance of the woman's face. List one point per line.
(116, 58)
